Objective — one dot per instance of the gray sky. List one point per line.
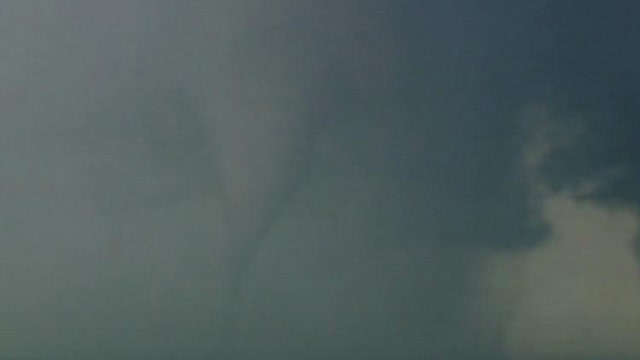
(299, 179)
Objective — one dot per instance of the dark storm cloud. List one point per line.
(454, 83)
(586, 60)
(346, 166)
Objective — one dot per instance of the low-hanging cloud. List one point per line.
(289, 179)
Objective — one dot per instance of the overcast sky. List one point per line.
(319, 180)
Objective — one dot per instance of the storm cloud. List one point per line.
(346, 180)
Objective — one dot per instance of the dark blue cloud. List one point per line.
(586, 59)
(457, 84)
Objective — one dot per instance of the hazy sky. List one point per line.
(319, 180)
